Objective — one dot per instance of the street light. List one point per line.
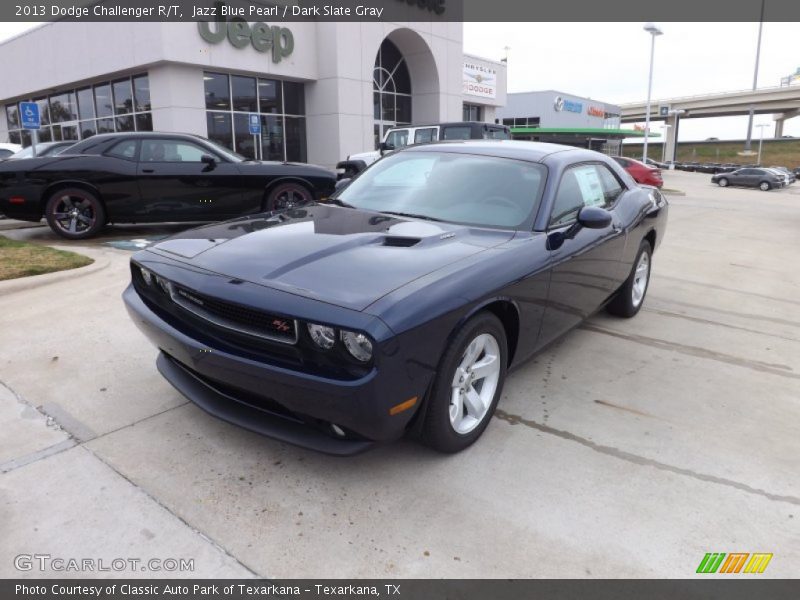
(761, 139)
(653, 31)
(755, 81)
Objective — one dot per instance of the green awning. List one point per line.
(588, 131)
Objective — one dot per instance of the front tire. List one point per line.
(468, 385)
(723, 182)
(288, 195)
(630, 297)
(75, 213)
(764, 186)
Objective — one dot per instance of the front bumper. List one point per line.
(289, 405)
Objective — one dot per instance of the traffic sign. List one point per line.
(29, 115)
(255, 124)
(663, 111)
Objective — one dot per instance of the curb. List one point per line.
(21, 284)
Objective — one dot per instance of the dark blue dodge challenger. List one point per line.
(399, 305)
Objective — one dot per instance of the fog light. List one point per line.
(146, 275)
(358, 345)
(322, 335)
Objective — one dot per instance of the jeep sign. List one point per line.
(240, 33)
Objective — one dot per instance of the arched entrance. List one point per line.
(405, 82)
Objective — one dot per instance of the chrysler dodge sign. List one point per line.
(480, 80)
(560, 104)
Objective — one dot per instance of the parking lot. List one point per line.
(629, 449)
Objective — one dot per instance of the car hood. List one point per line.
(343, 256)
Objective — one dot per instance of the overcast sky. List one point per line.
(610, 62)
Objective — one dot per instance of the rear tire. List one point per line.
(288, 195)
(467, 386)
(723, 182)
(75, 213)
(630, 297)
(764, 186)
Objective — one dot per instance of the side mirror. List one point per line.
(209, 160)
(385, 147)
(342, 183)
(594, 217)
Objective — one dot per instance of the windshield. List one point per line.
(462, 188)
(226, 152)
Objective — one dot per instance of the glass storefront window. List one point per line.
(281, 105)
(102, 98)
(141, 92)
(293, 98)
(44, 113)
(219, 128)
(85, 103)
(269, 96)
(296, 139)
(218, 92)
(244, 94)
(12, 116)
(272, 137)
(245, 144)
(123, 97)
(102, 108)
(63, 108)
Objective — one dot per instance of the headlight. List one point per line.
(323, 336)
(162, 283)
(146, 275)
(358, 345)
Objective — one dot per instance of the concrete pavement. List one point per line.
(629, 449)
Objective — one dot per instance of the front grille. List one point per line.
(235, 317)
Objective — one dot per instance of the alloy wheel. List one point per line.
(74, 214)
(640, 279)
(475, 383)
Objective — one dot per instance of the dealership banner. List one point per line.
(480, 80)
(407, 589)
(533, 11)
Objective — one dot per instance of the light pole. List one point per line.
(755, 81)
(761, 140)
(653, 31)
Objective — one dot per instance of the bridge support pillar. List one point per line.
(781, 118)
(672, 138)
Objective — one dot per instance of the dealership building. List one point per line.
(561, 118)
(320, 90)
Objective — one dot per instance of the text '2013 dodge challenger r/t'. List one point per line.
(399, 305)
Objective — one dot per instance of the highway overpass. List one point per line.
(781, 102)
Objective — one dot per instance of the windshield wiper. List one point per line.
(411, 215)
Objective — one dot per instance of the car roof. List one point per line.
(516, 149)
(450, 124)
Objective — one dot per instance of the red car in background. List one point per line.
(641, 172)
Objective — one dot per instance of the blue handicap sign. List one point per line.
(255, 124)
(29, 115)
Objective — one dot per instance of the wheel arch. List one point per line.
(650, 237)
(507, 311)
(286, 179)
(70, 183)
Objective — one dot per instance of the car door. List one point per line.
(177, 185)
(586, 264)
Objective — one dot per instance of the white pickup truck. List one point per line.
(402, 136)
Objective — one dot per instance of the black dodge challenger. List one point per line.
(400, 304)
(151, 178)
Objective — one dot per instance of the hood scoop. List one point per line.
(396, 241)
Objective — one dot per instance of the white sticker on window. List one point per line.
(591, 187)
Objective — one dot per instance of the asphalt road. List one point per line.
(629, 449)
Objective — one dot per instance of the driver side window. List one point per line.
(398, 138)
(583, 185)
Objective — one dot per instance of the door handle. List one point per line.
(148, 170)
